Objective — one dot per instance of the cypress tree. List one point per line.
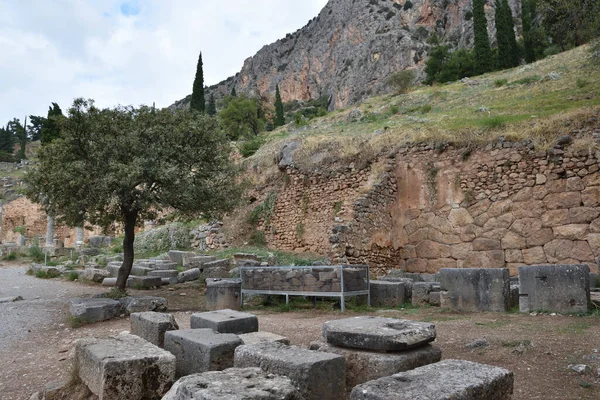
(7, 140)
(211, 107)
(509, 22)
(527, 25)
(50, 127)
(483, 53)
(198, 103)
(502, 40)
(279, 117)
(233, 92)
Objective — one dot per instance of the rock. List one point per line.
(178, 256)
(580, 368)
(223, 294)
(144, 282)
(477, 343)
(225, 321)
(475, 289)
(189, 275)
(233, 384)
(285, 158)
(95, 310)
(100, 241)
(197, 261)
(364, 365)
(387, 294)
(201, 350)
(143, 303)
(421, 292)
(89, 252)
(315, 374)
(378, 333)
(121, 367)
(10, 299)
(151, 326)
(555, 288)
(445, 380)
(168, 273)
(94, 275)
(262, 337)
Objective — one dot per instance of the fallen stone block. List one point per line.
(223, 294)
(262, 337)
(100, 241)
(178, 256)
(475, 289)
(445, 380)
(94, 275)
(109, 281)
(364, 365)
(435, 299)
(113, 270)
(317, 375)
(387, 294)
(225, 321)
(168, 281)
(421, 291)
(554, 288)
(233, 384)
(408, 283)
(143, 303)
(197, 261)
(143, 282)
(378, 333)
(151, 326)
(189, 275)
(216, 269)
(201, 350)
(95, 310)
(168, 273)
(138, 270)
(125, 367)
(513, 298)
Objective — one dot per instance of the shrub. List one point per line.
(50, 274)
(19, 229)
(251, 146)
(500, 82)
(495, 122)
(425, 108)
(36, 253)
(527, 80)
(551, 50)
(73, 276)
(394, 109)
(408, 5)
(257, 238)
(401, 81)
(581, 83)
(10, 256)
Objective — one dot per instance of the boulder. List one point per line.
(143, 282)
(100, 241)
(189, 275)
(94, 274)
(387, 294)
(151, 326)
(95, 310)
(125, 367)
(445, 380)
(143, 303)
(378, 333)
(233, 384)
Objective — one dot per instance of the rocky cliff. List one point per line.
(351, 47)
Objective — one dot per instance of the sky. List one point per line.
(130, 51)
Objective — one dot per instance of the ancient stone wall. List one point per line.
(432, 208)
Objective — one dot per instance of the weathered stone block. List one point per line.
(95, 310)
(138, 270)
(557, 288)
(223, 294)
(124, 367)
(363, 365)
(100, 241)
(151, 326)
(317, 375)
(421, 291)
(201, 350)
(143, 303)
(197, 261)
(94, 274)
(167, 273)
(189, 275)
(225, 321)
(233, 384)
(262, 337)
(475, 289)
(178, 256)
(378, 333)
(387, 294)
(445, 380)
(435, 299)
(144, 282)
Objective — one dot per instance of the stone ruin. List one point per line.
(224, 355)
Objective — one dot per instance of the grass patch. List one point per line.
(76, 322)
(492, 324)
(528, 80)
(500, 82)
(575, 328)
(581, 83)
(12, 256)
(72, 276)
(495, 122)
(516, 343)
(47, 274)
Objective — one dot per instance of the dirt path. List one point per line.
(36, 339)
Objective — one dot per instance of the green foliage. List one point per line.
(527, 22)
(51, 128)
(425, 108)
(19, 133)
(500, 82)
(257, 238)
(7, 142)
(394, 109)
(12, 256)
(115, 294)
(34, 129)
(198, 103)
(233, 92)
(36, 253)
(73, 276)
(19, 229)
(165, 238)
(570, 23)
(279, 114)
(251, 146)
(551, 50)
(401, 81)
(300, 231)
(264, 210)
(527, 80)
(337, 207)
(211, 107)
(445, 66)
(495, 122)
(241, 118)
(49, 274)
(508, 55)
(483, 53)
(581, 83)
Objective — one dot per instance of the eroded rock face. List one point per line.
(378, 333)
(349, 50)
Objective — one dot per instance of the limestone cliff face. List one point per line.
(351, 48)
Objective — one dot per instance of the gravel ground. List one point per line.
(36, 340)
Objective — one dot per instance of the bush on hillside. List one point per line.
(401, 81)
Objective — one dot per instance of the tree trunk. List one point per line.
(130, 221)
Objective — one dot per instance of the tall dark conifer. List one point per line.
(279, 115)
(511, 39)
(483, 53)
(233, 92)
(198, 103)
(211, 107)
(50, 127)
(527, 19)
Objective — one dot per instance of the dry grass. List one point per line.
(540, 101)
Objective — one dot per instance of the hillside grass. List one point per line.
(537, 101)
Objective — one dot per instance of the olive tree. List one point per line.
(125, 165)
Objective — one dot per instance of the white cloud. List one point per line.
(129, 51)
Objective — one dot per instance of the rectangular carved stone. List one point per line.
(317, 375)
(225, 321)
(445, 380)
(556, 288)
(475, 289)
(387, 294)
(151, 326)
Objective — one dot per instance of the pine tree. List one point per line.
(198, 103)
(211, 107)
(233, 92)
(527, 18)
(483, 53)
(7, 140)
(279, 116)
